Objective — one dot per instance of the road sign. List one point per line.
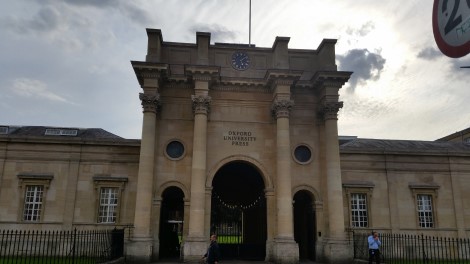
(451, 26)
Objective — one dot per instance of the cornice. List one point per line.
(191, 70)
(202, 73)
(241, 88)
(280, 74)
(150, 70)
(242, 81)
(330, 78)
(304, 84)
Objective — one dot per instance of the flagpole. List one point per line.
(249, 34)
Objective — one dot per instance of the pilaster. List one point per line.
(157, 205)
(337, 249)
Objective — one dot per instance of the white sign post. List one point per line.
(451, 26)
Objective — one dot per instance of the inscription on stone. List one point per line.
(239, 138)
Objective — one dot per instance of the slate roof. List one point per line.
(386, 145)
(39, 131)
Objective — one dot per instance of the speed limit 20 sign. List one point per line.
(451, 26)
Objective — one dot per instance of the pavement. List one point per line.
(232, 262)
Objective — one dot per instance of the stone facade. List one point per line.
(262, 119)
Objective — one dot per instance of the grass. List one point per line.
(227, 239)
(45, 260)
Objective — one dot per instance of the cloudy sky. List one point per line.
(67, 63)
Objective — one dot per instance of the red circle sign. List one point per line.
(451, 26)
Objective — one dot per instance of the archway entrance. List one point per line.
(171, 223)
(304, 225)
(238, 212)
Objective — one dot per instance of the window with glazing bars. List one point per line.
(359, 210)
(33, 203)
(425, 213)
(108, 205)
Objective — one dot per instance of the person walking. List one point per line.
(213, 253)
(374, 245)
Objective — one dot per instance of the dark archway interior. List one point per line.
(304, 225)
(238, 212)
(238, 182)
(171, 223)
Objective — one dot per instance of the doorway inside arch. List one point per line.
(304, 225)
(238, 212)
(171, 223)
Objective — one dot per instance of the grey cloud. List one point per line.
(429, 53)
(128, 8)
(99, 3)
(365, 65)
(218, 33)
(46, 20)
(355, 107)
(363, 31)
(135, 13)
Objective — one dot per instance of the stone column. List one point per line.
(285, 248)
(196, 241)
(283, 180)
(140, 249)
(337, 248)
(333, 170)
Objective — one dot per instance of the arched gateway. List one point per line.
(238, 211)
(236, 129)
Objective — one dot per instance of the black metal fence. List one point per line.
(77, 246)
(403, 248)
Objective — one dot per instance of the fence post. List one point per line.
(74, 244)
(422, 247)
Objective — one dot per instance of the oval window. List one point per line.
(302, 154)
(175, 149)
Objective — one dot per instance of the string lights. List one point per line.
(238, 206)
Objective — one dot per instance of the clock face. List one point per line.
(240, 60)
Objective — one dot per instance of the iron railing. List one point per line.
(404, 248)
(76, 246)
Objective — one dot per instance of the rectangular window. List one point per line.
(425, 213)
(33, 203)
(108, 205)
(3, 130)
(359, 210)
(60, 132)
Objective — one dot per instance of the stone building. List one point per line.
(240, 141)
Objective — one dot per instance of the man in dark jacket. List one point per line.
(212, 255)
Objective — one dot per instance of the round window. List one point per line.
(302, 154)
(175, 149)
